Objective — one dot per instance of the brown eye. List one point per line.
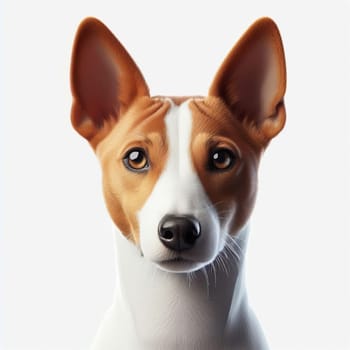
(221, 159)
(136, 160)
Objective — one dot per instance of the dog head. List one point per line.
(179, 174)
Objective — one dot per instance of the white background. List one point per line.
(56, 246)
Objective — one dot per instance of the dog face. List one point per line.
(179, 175)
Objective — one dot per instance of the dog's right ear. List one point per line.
(104, 81)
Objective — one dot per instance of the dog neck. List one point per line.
(207, 308)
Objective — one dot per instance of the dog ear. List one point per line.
(252, 81)
(104, 80)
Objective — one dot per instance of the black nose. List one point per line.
(179, 232)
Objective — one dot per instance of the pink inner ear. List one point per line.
(96, 81)
(273, 87)
(251, 80)
(255, 82)
(104, 80)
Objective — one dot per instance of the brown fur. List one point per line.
(252, 81)
(112, 109)
(104, 80)
(232, 191)
(125, 192)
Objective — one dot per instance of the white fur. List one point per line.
(157, 310)
(179, 191)
(204, 308)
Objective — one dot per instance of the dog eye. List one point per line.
(136, 160)
(221, 159)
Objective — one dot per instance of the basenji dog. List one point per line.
(179, 179)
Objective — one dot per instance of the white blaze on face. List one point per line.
(179, 191)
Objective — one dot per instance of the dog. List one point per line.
(179, 179)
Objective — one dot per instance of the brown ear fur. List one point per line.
(252, 81)
(104, 80)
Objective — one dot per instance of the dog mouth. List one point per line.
(176, 260)
(178, 264)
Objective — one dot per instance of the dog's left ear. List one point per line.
(252, 81)
(104, 80)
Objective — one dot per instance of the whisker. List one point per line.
(235, 248)
(205, 273)
(223, 264)
(234, 240)
(230, 256)
(213, 268)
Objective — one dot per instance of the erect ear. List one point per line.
(252, 81)
(104, 80)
